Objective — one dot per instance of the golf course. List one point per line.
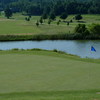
(48, 75)
(49, 49)
(36, 74)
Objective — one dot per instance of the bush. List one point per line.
(64, 16)
(49, 21)
(44, 16)
(41, 20)
(52, 16)
(8, 12)
(15, 49)
(78, 17)
(81, 28)
(55, 50)
(95, 29)
(58, 23)
(71, 21)
(37, 23)
(27, 19)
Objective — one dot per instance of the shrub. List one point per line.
(80, 28)
(49, 21)
(52, 16)
(95, 29)
(44, 16)
(71, 21)
(58, 23)
(41, 20)
(64, 16)
(55, 50)
(78, 17)
(68, 23)
(15, 49)
(8, 12)
(27, 19)
(37, 23)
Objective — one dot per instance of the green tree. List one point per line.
(58, 22)
(64, 16)
(44, 16)
(71, 21)
(52, 16)
(81, 28)
(49, 21)
(37, 23)
(41, 20)
(28, 19)
(8, 12)
(68, 23)
(78, 17)
(95, 29)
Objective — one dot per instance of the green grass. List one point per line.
(61, 95)
(46, 75)
(18, 25)
(17, 28)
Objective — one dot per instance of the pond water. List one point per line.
(80, 48)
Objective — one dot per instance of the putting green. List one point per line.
(38, 71)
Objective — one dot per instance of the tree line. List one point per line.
(57, 7)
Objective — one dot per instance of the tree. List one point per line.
(80, 28)
(52, 16)
(68, 23)
(78, 17)
(27, 19)
(8, 12)
(95, 29)
(29, 16)
(37, 23)
(38, 7)
(44, 16)
(71, 21)
(58, 22)
(41, 20)
(64, 16)
(49, 21)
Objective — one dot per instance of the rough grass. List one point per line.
(18, 25)
(16, 28)
(45, 75)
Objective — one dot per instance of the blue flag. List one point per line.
(93, 49)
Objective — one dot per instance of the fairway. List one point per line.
(46, 75)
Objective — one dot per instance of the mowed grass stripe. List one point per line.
(30, 73)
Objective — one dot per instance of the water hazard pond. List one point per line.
(80, 48)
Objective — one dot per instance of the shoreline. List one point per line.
(54, 51)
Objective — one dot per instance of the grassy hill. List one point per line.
(46, 75)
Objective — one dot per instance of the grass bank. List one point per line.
(46, 75)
